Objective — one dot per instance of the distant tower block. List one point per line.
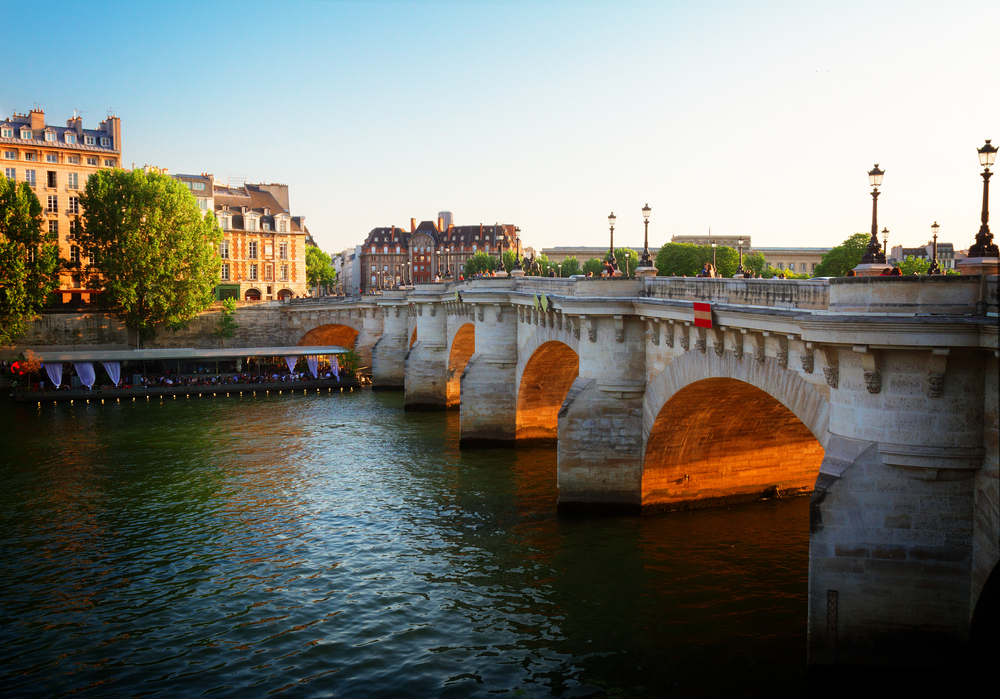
(446, 216)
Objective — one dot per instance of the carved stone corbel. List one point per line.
(668, 330)
(592, 330)
(559, 320)
(480, 312)
(782, 343)
(654, 331)
(434, 310)
(700, 344)
(499, 311)
(686, 337)
(809, 358)
(936, 365)
(397, 311)
(757, 341)
(871, 365)
(738, 343)
(619, 329)
(420, 309)
(719, 343)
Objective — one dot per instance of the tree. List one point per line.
(319, 268)
(570, 266)
(157, 256)
(509, 260)
(755, 262)
(480, 262)
(681, 260)
(226, 325)
(628, 260)
(593, 266)
(843, 257)
(29, 260)
(914, 265)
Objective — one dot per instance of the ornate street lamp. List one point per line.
(611, 251)
(934, 269)
(874, 253)
(517, 248)
(739, 270)
(646, 260)
(984, 246)
(714, 244)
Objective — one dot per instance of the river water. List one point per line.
(334, 545)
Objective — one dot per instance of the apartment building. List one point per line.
(56, 162)
(391, 255)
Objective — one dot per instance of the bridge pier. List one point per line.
(426, 364)
(389, 353)
(600, 446)
(489, 382)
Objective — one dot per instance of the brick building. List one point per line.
(392, 255)
(56, 161)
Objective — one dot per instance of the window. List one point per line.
(283, 251)
(397, 249)
(10, 173)
(781, 265)
(30, 157)
(225, 272)
(385, 250)
(203, 204)
(267, 273)
(70, 137)
(373, 268)
(74, 253)
(105, 141)
(267, 226)
(29, 177)
(252, 250)
(91, 161)
(284, 272)
(51, 158)
(73, 159)
(803, 267)
(373, 249)
(224, 222)
(282, 225)
(10, 155)
(224, 249)
(53, 206)
(198, 185)
(7, 132)
(89, 140)
(50, 179)
(72, 231)
(109, 162)
(73, 180)
(54, 227)
(250, 224)
(253, 273)
(50, 136)
(25, 133)
(74, 205)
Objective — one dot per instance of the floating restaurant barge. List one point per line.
(205, 368)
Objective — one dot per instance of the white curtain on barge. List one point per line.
(54, 372)
(85, 370)
(313, 363)
(114, 370)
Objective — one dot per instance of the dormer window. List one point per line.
(250, 223)
(50, 136)
(224, 223)
(244, 209)
(267, 211)
(26, 134)
(385, 250)
(106, 142)
(373, 249)
(267, 226)
(282, 225)
(70, 137)
(7, 132)
(89, 140)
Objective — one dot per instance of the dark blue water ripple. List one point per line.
(334, 545)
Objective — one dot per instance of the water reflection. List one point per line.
(335, 544)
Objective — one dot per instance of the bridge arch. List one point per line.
(724, 430)
(547, 376)
(463, 346)
(331, 334)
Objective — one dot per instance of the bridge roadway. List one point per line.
(876, 395)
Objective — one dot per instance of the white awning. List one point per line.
(187, 353)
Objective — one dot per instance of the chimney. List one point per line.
(440, 226)
(450, 227)
(37, 119)
(413, 225)
(76, 123)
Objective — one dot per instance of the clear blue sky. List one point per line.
(753, 118)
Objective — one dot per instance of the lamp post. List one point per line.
(739, 242)
(517, 248)
(611, 251)
(714, 244)
(874, 253)
(646, 260)
(934, 269)
(984, 246)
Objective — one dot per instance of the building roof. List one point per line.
(257, 201)
(500, 235)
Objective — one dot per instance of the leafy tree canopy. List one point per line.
(687, 260)
(226, 325)
(914, 265)
(843, 257)
(509, 259)
(156, 255)
(570, 266)
(319, 268)
(480, 262)
(593, 266)
(628, 260)
(29, 260)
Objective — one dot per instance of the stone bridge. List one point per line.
(878, 396)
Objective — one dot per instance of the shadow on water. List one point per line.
(335, 545)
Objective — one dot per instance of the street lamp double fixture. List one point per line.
(739, 270)
(646, 260)
(934, 269)
(611, 251)
(984, 246)
(874, 254)
(517, 248)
